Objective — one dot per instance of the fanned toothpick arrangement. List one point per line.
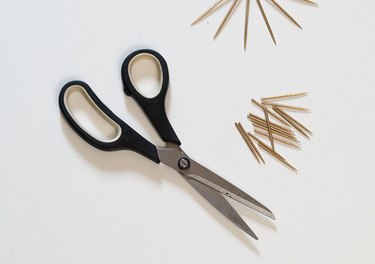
(279, 132)
(233, 7)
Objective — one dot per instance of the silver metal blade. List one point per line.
(213, 180)
(172, 156)
(221, 204)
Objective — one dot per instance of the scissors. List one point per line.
(210, 185)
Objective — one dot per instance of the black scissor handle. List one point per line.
(154, 107)
(127, 138)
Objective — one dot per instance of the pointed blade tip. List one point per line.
(268, 213)
(272, 216)
(254, 236)
(250, 232)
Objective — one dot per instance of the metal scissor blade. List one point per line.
(217, 200)
(205, 176)
(172, 156)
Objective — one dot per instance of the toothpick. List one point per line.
(286, 106)
(285, 13)
(246, 23)
(230, 11)
(266, 20)
(282, 96)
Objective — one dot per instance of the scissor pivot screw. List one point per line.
(183, 163)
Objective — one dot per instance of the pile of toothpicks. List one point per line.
(282, 132)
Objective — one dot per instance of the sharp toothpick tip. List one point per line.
(266, 20)
(230, 11)
(312, 2)
(285, 13)
(207, 12)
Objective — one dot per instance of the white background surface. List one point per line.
(62, 201)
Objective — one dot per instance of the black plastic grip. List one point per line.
(128, 138)
(154, 107)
